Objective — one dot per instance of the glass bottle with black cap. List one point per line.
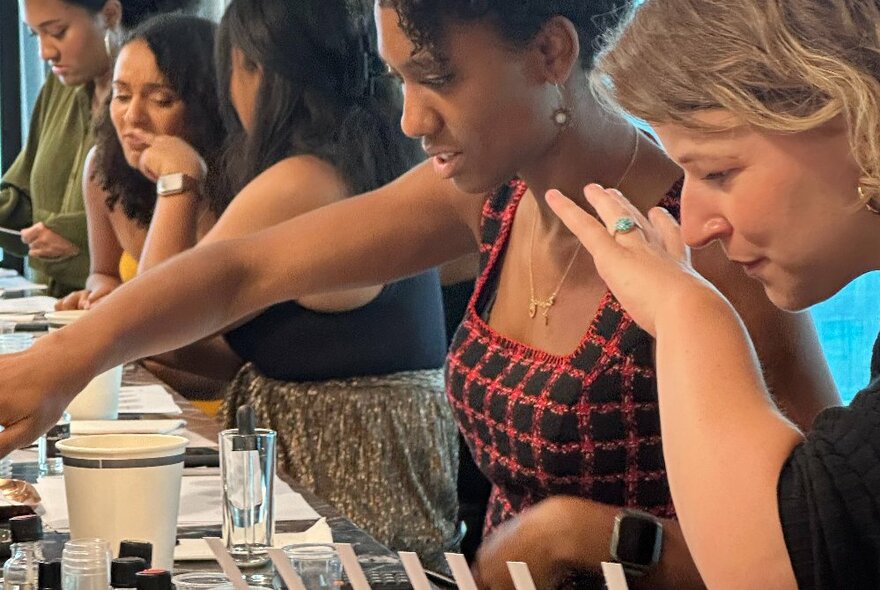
(124, 570)
(153, 579)
(21, 570)
(142, 549)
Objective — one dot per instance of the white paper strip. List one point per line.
(352, 567)
(284, 569)
(615, 578)
(227, 564)
(461, 571)
(414, 570)
(522, 577)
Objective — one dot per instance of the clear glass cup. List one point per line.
(317, 564)
(199, 581)
(247, 471)
(85, 565)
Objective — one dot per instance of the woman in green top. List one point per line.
(41, 193)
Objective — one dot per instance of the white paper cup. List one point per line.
(100, 398)
(125, 486)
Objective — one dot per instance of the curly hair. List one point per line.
(182, 46)
(135, 12)
(323, 92)
(518, 21)
(779, 65)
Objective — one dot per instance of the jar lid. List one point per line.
(26, 528)
(123, 571)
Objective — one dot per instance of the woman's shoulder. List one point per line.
(306, 176)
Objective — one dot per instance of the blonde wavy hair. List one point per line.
(778, 65)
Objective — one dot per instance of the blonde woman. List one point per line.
(771, 109)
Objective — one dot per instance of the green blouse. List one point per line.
(45, 184)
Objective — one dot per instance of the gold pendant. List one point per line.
(545, 306)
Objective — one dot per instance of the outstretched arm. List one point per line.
(414, 223)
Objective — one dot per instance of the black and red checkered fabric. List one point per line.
(539, 425)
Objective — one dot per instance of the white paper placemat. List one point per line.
(146, 399)
(38, 304)
(81, 427)
(200, 499)
(17, 283)
(197, 549)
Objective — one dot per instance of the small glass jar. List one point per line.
(85, 565)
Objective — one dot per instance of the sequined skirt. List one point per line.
(382, 450)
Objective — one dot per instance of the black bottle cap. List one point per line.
(26, 528)
(49, 576)
(142, 549)
(153, 580)
(123, 570)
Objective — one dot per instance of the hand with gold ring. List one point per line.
(646, 270)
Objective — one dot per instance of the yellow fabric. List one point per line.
(209, 407)
(128, 267)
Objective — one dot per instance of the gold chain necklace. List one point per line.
(545, 304)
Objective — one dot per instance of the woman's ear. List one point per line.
(559, 48)
(112, 14)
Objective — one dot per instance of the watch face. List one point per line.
(170, 183)
(638, 541)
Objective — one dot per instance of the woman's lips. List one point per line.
(447, 164)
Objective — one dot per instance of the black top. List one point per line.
(829, 495)
(402, 329)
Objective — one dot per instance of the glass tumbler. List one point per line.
(247, 470)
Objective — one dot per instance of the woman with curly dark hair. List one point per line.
(164, 83)
(41, 193)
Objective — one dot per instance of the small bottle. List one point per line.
(123, 571)
(21, 570)
(154, 579)
(142, 549)
(49, 575)
(49, 457)
(85, 565)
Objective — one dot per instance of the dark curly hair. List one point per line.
(135, 12)
(518, 21)
(183, 47)
(323, 91)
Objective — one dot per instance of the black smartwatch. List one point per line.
(637, 541)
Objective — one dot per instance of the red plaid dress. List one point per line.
(539, 425)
